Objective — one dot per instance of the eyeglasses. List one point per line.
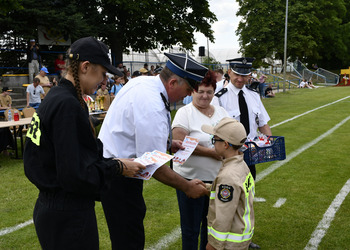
(34, 92)
(213, 140)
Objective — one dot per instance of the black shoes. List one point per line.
(253, 246)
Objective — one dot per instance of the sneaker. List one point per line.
(254, 246)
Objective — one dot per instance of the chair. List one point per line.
(107, 102)
(28, 112)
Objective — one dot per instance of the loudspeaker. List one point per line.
(201, 51)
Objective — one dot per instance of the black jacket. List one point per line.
(29, 54)
(67, 157)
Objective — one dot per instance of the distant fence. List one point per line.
(320, 76)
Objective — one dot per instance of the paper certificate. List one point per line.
(190, 143)
(152, 161)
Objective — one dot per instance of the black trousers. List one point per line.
(125, 210)
(63, 223)
(6, 139)
(252, 171)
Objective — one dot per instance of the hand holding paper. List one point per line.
(152, 161)
(189, 144)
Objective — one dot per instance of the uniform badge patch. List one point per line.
(225, 193)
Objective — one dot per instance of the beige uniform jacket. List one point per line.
(231, 213)
(5, 101)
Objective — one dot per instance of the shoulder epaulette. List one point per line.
(221, 92)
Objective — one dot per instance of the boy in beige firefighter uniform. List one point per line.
(231, 213)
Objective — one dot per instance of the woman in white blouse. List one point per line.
(203, 164)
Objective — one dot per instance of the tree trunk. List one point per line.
(116, 48)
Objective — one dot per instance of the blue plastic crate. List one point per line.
(275, 152)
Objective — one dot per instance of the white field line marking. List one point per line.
(300, 150)
(328, 217)
(280, 202)
(8, 230)
(259, 199)
(163, 243)
(307, 112)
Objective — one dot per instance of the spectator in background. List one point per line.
(33, 58)
(109, 80)
(118, 84)
(145, 66)
(303, 84)
(128, 75)
(120, 67)
(136, 74)
(310, 85)
(5, 98)
(6, 139)
(33, 93)
(44, 80)
(103, 91)
(262, 80)
(144, 71)
(151, 72)
(269, 92)
(254, 76)
(227, 79)
(60, 65)
(219, 79)
(53, 81)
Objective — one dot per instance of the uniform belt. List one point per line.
(60, 200)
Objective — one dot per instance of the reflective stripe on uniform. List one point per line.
(232, 237)
(249, 186)
(212, 195)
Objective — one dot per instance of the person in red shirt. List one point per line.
(60, 65)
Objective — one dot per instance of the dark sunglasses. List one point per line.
(34, 92)
(213, 140)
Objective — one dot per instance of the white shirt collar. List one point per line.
(236, 90)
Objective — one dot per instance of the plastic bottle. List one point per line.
(16, 116)
(10, 116)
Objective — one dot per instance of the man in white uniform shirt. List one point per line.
(138, 121)
(255, 117)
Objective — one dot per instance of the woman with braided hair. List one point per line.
(63, 158)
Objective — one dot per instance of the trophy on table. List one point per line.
(102, 100)
(97, 103)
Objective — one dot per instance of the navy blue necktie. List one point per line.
(243, 108)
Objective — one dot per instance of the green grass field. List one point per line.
(309, 182)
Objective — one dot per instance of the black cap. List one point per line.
(136, 73)
(6, 89)
(242, 65)
(94, 51)
(185, 67)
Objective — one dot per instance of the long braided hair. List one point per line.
(75, 70)
(72, 65)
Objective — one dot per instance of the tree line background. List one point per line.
(318, 30)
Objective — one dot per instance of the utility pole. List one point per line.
(285, 49)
